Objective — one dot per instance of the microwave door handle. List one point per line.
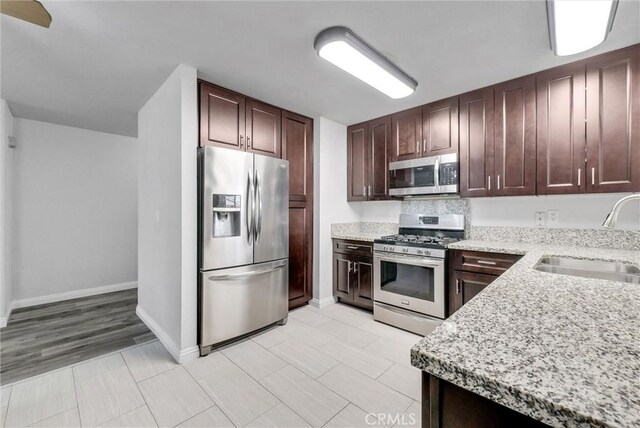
(436, 172)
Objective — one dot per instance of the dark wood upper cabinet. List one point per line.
(222, 117)
(613, 122)
(561, 130)
(407, 134)
(440, 127)
(378, 154)
(476, 142)
(357, 162)
(297, 148)
(263, 123)
(515, 137)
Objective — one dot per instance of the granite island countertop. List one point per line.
(561, 349)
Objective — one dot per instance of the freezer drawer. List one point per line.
(240, 300)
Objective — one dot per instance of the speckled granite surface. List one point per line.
(596, 238)
(362, 231)
(561, 349)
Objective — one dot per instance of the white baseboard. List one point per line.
(322, 303)
(51, 298)
(180, 355)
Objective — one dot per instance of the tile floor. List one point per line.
(326, 368)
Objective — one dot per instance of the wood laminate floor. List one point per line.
(42, 338)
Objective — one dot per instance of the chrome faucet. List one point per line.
(612, 217)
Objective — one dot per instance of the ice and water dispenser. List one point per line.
(226, 215)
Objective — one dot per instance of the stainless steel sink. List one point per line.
(597, 269)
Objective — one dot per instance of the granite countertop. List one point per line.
(363, 231)
(561, 349)
(357, 236)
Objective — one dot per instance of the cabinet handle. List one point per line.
(484, 262)
(458, 286)
(370, 192)
(593, 176)
(352, 247)
(489, 186)
(349, 265)
(498, 182)
(249, 142)
(355, 267)
(364, 191)
(579, 174)
(424, 146)
(241, 144)
(417, 146)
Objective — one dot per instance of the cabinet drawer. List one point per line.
(353, 247)
(480, 262)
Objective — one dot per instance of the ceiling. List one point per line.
(102, 60)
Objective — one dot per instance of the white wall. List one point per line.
(74, 214)
(167, 217)
(6, 192)
(575, 211)
(330, 167)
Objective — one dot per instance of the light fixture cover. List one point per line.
(343, 48)
(578, 25)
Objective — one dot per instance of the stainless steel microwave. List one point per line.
(431, 175)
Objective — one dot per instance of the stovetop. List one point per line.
(421, 241)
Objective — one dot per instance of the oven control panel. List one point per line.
(413, 251)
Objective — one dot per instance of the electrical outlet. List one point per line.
(553, 216)
(540, 219)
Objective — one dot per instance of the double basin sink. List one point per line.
(596, 269)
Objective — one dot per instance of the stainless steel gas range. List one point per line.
(409, 271)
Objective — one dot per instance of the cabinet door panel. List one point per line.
(342, 276)
(560, 125)
(380, 138)
(515, 138)
(407, 134)
(476, 143)
(222, 117)
(298, 253)
(297, 148)
(613, 117)
(465, 286)
(440, 127)
(364, 290)
(357, 162)
(263, 128)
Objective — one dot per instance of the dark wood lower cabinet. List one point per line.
(470, 272)
(353, 273)
(445, 405)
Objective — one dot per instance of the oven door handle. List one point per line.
(403, 259)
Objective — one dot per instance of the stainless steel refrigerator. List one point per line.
(244, 244)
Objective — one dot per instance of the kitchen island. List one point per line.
(537, 348)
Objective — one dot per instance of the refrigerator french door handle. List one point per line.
(250, 207)
(258, 226)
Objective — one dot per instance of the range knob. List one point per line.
(427, 253)
(405, 250)
(420, 252)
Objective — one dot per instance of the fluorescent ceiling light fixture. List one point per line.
(341, 47)
(578, 25)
